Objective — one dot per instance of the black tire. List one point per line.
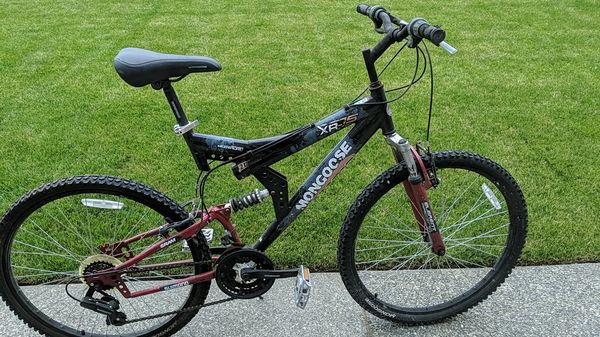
(32, 218)
(412, 285)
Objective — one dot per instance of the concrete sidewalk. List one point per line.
(535, 301)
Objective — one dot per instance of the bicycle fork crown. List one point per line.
(401, 149)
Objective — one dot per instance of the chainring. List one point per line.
(228, 276)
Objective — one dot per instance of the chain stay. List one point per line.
(133, 270)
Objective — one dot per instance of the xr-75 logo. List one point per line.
(337, 124)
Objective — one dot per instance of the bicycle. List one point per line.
(80, 256)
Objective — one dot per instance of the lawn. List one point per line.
(523, 89)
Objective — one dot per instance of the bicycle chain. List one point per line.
(195, 307)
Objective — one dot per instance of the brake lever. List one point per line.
(451, 50)
(382, 20)
(386, 22)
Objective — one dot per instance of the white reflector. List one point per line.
(491, 196)
(105, 204)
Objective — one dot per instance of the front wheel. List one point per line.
(391, 271)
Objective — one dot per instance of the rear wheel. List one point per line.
(391, 271)
(53, 235)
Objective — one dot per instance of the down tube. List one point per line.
(335, 161)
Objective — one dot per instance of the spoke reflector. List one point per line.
(104, 204)
(491, 196)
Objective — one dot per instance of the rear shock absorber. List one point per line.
(253, 198)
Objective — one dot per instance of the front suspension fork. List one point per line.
(416, 188)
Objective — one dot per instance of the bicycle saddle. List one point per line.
(140, 67)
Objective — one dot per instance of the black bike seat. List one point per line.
(140, 67)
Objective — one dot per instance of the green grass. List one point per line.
(523, 90)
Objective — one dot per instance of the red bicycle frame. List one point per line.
(111, 277)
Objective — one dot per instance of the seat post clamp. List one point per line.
(182, 129)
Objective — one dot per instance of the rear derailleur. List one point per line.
(106, 305)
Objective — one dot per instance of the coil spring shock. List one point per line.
(248, 200)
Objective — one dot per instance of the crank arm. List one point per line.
(249, 273)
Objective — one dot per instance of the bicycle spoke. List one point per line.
(44, 254)
(464, 262)
(70, 230)
(467, 223)
(379, 248)
(400, 266)
(131, 304)
(393, 229)
(137, 224)
(44, 250)
(460, 195)
(393, 241)
(400, 231)
(390, 259)
(73, 228)
(472, 247)
(116, 222)
(51, 241)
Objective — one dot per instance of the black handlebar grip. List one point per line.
(363, 9)
(421, 29)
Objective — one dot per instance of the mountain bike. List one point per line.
(429, 238)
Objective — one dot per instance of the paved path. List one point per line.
(535, 301)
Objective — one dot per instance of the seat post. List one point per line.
(183, 122)
(174, 103)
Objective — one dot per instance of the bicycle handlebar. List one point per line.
(363, 9)
(418, 28)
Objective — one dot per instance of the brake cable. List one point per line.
(430, 92)
(418, 78)
(382, 71)
(432, 160)
(407, 87)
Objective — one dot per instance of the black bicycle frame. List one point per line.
(254, 157)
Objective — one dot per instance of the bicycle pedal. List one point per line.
(208, 235)
(302, 289)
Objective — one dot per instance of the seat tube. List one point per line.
(174, 104)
